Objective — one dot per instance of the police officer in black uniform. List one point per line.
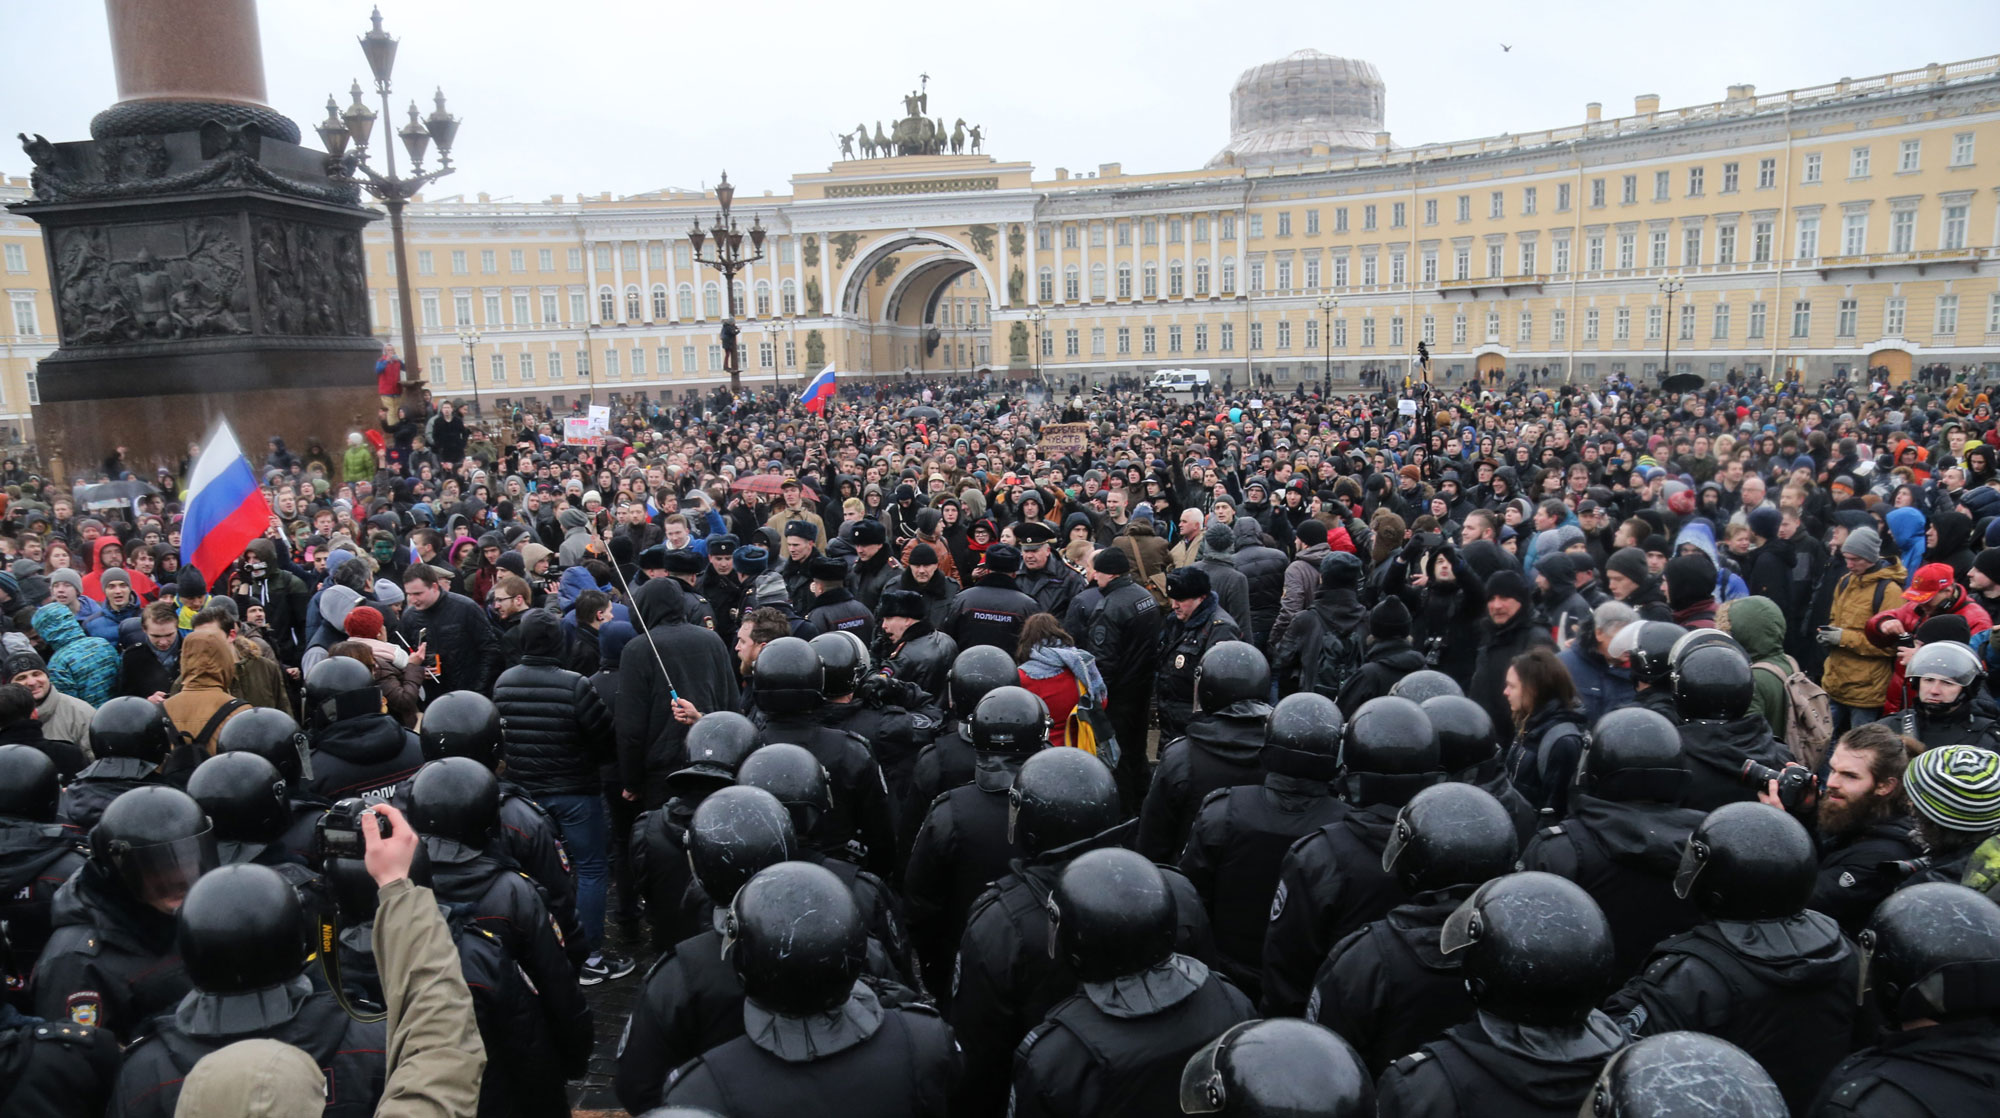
(1761, 971)
(1652, 666)
(1240, 833)
(1278, 1068)
(1943, 681)
(272, 735)
(1471, 753)
(791, 687)
(1713, 688)
(1387, 988)
(963, 846)
(1123, 632)
(357, 748)
(1934, 980)
(892, 732)
(1064, 803)
(1332, 881)
(1045, 577)
(467, 724)
(1684, 1075)
(834, 608)
(246, 943)
(949, 760)
(793, 775)
(691, 1000)
(724, 592)
(1220, 747)
(1625, 831)
(1536, 956)
(524, 1074)
(716, 746)
(908, 647)
(111, 959)
(54, 1068)
(37, 854)
(136, 737)
(1184, 641)
(817, 1040)
(246, 802)
(454, 804)
(1118, 1044)
(992, 609)
(685, 567)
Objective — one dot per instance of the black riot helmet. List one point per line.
(456, 799)
(1634, 755)
(462, 724)
(242, 929)
(1010, 721)
(1426, 684)
(156, 841)
(1684, 1075)
(129, 726)
(736, 832)
(1451, 834)
(1111, 914)
(843, 658)
(272, 735)
(795, 937)
(1061, 797)
(1950, 661)
(789, 677)
(795, 777)
(1653, 651)
(1748, 861)
(245, 798)
(339, 688)
(1932, 951)
(1230, 672)
(1278, 1068)
(1464, 731)
(716, 745)
(1390, 752)
(976, 671)
(1712, 683)
(1535, 948)
(29, 784)
(1302, 737)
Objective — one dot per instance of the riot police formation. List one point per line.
(245, 942)
(132, 738)
(357, 748)
(817, 1039)
(1141, 1008)
(1240, 834)
(1536, 956)
(963, 845)
(716, 747)
(1625, 833)
(692, 1000)
(1219, 747)
(467, 724)
(1332, 881)
(1760, 970)
(790, 691)
(454, 803)
(1387, 987)
(37, 856)
(1216, 767)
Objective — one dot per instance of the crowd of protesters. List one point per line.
(1531, 747)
